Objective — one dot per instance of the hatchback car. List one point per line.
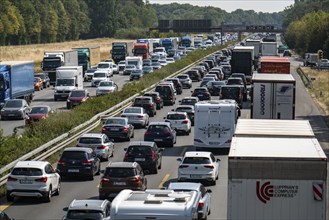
(147, 154)
(136, 74)
(156, 98)
(45, 79)
(198, 166)
(204, 207)
(194, 75)
(161, 133)
(77, 97)
(38, 85)
(147, 103)
(33, 179)
(119, 176)
(100, 143)
(185, 80)
(88, 209)
(177, 84)
(202, 93)
(179, 121)
(189, 101)
(118, 127)
(38, 113)
(189, 109)
(214, 87)
(98, 77)
(15, 108)
(106, 87)
(79, 162)
(238, 81)
(136, 116)
(128, 69)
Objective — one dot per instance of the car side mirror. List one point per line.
(65, 209)
(125, 149)
(179, 159)
(218, 160)
(209, 191)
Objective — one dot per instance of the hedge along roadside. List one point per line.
(59, 123)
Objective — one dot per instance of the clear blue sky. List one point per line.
(231, 5)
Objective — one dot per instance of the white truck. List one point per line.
(137, 61)
(68, 78)
(276, 176)
(273, 96)
(269, 49)
(198, 42)
(155, 204)
(256, 44)
(311, 59)
(214, 123)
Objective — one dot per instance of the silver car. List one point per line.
(15, 108)
(136, 116)
(100, 143)
(185, 80)
(106, 87)
(204, 203)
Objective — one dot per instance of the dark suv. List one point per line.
(119, 176)
(232, 92)
(178, 85)
(167, 93)
(202, 93)
(161, 133)
(79, 162)
(194, 75)
(147, 103)
(237, 80)
(156, 98)
(146, 153)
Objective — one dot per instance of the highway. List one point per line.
(31, 208)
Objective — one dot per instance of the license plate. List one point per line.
(200, 95)
(63, 95)
(25, 181)
(139, 159)
(213, 142)
(11, 114)
(114, 129)
(119, 183)
(73, 171)
(195, 176)
(157, 139)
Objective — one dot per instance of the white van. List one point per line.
(214, 123)
(137, 61)
(155, 204)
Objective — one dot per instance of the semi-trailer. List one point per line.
(88, 56)
(274, 65)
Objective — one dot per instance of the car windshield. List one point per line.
(78, 94)
(176, 117)
(182, 77)
(103, 65)
(106, 83)
(88, 140)
(141, 101)
(119, 172)
(230, 91)
(196, 160)
(39, 110)
(234, 82)
(217, 83)
(78, 155)
(156, 64)
(22, 171)
(183, 109)
(157, 128)
(139, 150)
(206, 79)
(130, 67)
(90, 70)
(99, 74)
(188, 101)
(163, 89)
(65, 82)
(14, 104)
(85, 214)
(147, 68)
(132, 110)
(200, 91)
(115, 121)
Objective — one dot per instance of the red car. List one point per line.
(77, 97)
(38, 113)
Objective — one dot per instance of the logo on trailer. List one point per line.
(266, 191)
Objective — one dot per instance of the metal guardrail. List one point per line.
(72, 135)
(307, 82)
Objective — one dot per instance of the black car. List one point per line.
(161, 133)
(178, 85)
(156, 98)
(214, 87)
(194, 75)
(147, 103)
(45, 79)
(167, 94)
(118, 127)
(202, 93)
(146, 153)
(238, 81)
(206, 65)
(207, 79)
(232, 92)
(211, 63)
(79, 162)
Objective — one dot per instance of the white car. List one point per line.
(121, 65)
(161, 51)
(198, 166)
(99, 142)
(33, 179)
(98, 77)
(106, 87)
(136, 116)
(163, 62)
(179, 121)
(115, 69)
(106, 66)
(170, 60)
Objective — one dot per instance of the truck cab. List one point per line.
(141, 49)
(119, 51)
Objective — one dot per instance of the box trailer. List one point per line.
(273, 96)
(276, 178)
(269, 49)
(274, 65)
(273, 128)
(256, 44)
(242, 61)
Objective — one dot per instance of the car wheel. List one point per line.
(58, 188)
(91, 177)
(213, 182)
(160, 165)
(187, 132)
(133, 134)
(98, 171)
(9, 197)
(155, 169)
(47, 197)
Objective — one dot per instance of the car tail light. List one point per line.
(183, 166)
(207, 94)
(148, 132)
(104, 180)
(42, 179)
(201, 204)
(11, 179)
(61, 162)
(87, 162)
(137, 179)
(167, 132)
(125, 157)
(209, 166)
(103, 129)
(126, 129)
(140, 116)
(101, 147)
(185, 122)
(193, 94)
(151, 104)
(154, 156)
(158, 99)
